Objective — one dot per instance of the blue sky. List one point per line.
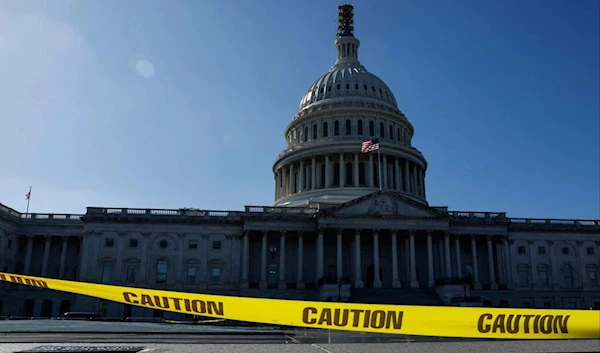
(168, 104)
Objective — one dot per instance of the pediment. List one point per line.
(384, 203)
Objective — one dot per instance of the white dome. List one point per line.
(347, 81)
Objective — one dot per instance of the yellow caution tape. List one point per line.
(395, 319)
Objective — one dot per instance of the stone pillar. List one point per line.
(327, 173)
(398, 174)
(407, 260)
(384, 177)
(245, 260)
(356, 171)
(284, 180)
(413, 263)
(415, 180)
(300, 283)
(263, 261)
(342, 170)
(63, 257)
(421, 184)
(292, 181)
(301, 172)
(320, 255)
(441, 258)
(407, 175)
(313, 170)
(493, 284)
(431, 276)
(507, 263)
(371, 178)
(118, 278)
(476, 283)
(458, 262)
(358, 283)
(447, 255)
(282, 282)
(28, 254)
(339, 244)
(46, 257)
(145, 258)
(395, 281)
(377, 278)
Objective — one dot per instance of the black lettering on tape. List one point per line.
(352, 318)
(502, 323)
(306, 315)
(190, 306)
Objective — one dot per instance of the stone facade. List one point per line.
(346, 225)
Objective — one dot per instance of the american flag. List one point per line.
(28, 195)
(370, 146)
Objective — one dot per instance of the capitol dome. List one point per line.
(323, 163)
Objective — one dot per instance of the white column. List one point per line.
(245, 259)
(377, 279)
(458, 262)
(397, 172)
(407, 260)
(371, 178)
(339, 253)
(415, 180)
(441, 257)
(476, 283)
(493, 284)
(282, 283)
(118, 276)
(413, 264)
(421, 184)
(342, 171)
(320, 255)
(385, 173)
(292, 181)
(46, 257)
(327, 173)
(284, 181)
(276, 186)
(178, 264)
(356, 171)
(447, 255)
(263, 261)
(28, 254)
(313, 170)
(300, 282)
(431, 276)
(63, 257)
(358, 283)
(507, 264)
(395, 281)
(407, 175)
(301, 176)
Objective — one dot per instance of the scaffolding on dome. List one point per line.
(345, 20)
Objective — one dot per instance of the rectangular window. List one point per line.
(215, 275)
(161, 272)
(523, 278)
(541, 250)
(133, 243)
(109, 242)
(543, 278)
(216, 245)
(521, 250)
(106, 271)
(589, 250)
(191, 275)
(593, 278)
(130, 274)
(193, 244)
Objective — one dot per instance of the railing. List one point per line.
(39, 216)
(477, 215)
(188, 212)
(518, 221)
(286, 210)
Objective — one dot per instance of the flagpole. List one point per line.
(28, 199)
(379, 165)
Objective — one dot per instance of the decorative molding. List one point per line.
(205, 236)
(122, 234)
(181, 235)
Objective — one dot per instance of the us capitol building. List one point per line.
(339, 228)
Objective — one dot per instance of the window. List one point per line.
(347, 86)
(305, 133)
(523, 277)
(521, 250)
(567, 272)
(365, 87)
(328, 88)
(130, 274)
(163, 244)
(543, 277)
(336, 128)
(381, 130)
(322, 175)
(373, 88)
(215, 275)
(216, 245)
(191, 275)
(371, 128)
(391, 132)
(565, 250)
(541, 250)
(314, 131)
(133, 243)
(109, 243)
(348, 127)
(589, 250)
(593, 278)
(398, 134)
(106, 272)
(361, 174)
(380, 91)
(338, 87)
(349, 179)
(161, 271)
(325, 129)
(360, 127)
(356, 86)
(193, 244)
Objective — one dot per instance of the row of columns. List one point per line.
(358, 282)
(46, 256)
(402, 174)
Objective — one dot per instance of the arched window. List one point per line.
(381, 130)
(349, 178)
(391, 132)
(336, 174)
(161, 271)
(305, 133)
(325, 129)
(322, 181)
(567, 272)
(336, 128)
(360, 127)
(314, 131)
(398, 134)
(371, 128)
(348, 127)
(361, 174)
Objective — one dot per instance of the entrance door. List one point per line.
(28, 308)
(272, 276)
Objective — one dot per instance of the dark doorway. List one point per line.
(371, 275)
(65, 307)
(28, 308)
(46, 308)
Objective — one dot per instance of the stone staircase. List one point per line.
(402, 296)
